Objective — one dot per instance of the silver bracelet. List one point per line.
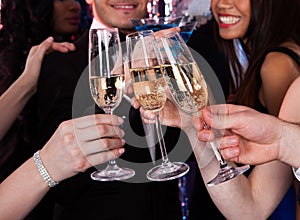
(44, 173)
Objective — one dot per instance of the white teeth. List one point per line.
(124, 6)
(229, 19)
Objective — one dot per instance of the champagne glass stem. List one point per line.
(216, 150)
(111, 163)
(167, 170)
(161, 139)
(218, 155)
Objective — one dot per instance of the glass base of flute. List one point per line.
(226, 172)
(112, 172)
(167, 170)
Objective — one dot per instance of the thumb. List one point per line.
(45, 46)
(215, 117)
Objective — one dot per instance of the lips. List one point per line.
(228, 20)
(74, 20)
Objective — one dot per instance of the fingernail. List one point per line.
(231, 141)
(205, 136)
(121, 151)
(136, 105)
(234, 151)
(123, 141)
(49, 39)
(152, 116)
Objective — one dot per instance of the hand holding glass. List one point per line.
(106, 75)
(189, 91)
(150, 90)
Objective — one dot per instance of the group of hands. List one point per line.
(80, 143)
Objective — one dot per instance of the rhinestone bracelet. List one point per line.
(44, 173)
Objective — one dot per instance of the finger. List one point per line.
(197, 122)
(44, 47)
(63, 47)
(97, 132)
(100, 145)
(135, 103)
(103, 157)
(222, 116)
(226, 109)
(147, 115)
(229, 141)
(148, 121)
(231, 153)
(92, 120)
(206, 135)
(37, 52)
(128, 82)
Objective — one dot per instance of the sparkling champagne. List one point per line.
(107, 92)
(187, 86)
(149, 87)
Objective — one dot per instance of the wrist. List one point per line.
(28, 84)
(289, 141)
(43, 171)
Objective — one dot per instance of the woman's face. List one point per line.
(232, 16)
(66, 16)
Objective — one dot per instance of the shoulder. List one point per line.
(278, 62)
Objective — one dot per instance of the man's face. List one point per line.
(117, 13)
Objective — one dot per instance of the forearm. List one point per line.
(234, 198)
(21, 191)
(289, 144)
(12, 102)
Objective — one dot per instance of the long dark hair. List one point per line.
(26, 23)
(272, 23)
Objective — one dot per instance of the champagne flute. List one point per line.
(150, 89)
(189, 91)
(106, 77)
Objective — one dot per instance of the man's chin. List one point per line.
(126, 29)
